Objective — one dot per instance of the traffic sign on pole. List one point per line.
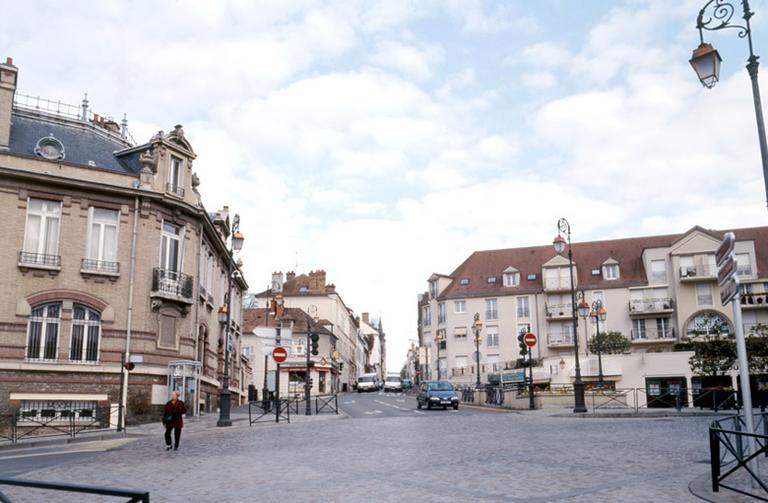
(279, 354)
(729, 290)
(727, 270)
(530, 339)
(725, 249)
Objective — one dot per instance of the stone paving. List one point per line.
(527, 457)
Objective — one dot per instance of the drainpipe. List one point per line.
(129, 324)
(195, 328)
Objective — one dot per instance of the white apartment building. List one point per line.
(657, 290)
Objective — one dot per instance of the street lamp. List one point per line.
(559, 244)
(598, 313)
(706, 61)
(477, 325)
(438, 339)
(225, 316)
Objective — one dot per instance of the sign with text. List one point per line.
(725, 249)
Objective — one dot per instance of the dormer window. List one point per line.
(611, 271)
(511, 277)
(464, 281)
(491, 279)
(433, 289)
(176, 177)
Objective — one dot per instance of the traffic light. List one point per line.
(341, 366)
(314, 338)
(521, 343)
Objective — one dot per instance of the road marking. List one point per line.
(377, 411)
(419, 412)
(348, 402)
(403, 400)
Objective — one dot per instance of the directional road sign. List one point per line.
(725, 249)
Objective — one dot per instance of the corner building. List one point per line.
(657, 290)
(108, 253)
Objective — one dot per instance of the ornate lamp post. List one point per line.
(706, 60)
(477, 326)
(225, 316)
(438, 340)
(598, 313)
(559, 244)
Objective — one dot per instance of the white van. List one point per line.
(367, 382)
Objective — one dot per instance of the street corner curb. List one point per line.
(701, 487)
(491, 409)
(48, 442)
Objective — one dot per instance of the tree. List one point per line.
(712, 356)
(757, 349)
(611, 343)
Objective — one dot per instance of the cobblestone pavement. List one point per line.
(530, 457)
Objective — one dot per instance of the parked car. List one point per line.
(437, 394)
(393, 383)
(367, 382)
(407, 384)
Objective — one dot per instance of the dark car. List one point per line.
(437, 394)
(407, 384)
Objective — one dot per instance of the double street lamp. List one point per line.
(477, 326)
(225, 316)
(598, 313)
(563, 227)
(717, 15)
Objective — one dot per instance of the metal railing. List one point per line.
(92, 265)
(133, 496)
(263, 411)
(327, 404)
(32, 259)
(643, 306)
(559, 339)
(51, 419)
(174, 189)
(698, 271)
(37, 104)
(652, 334)
(642, 398)
(559, 310)
(727, 455)
(171, 282)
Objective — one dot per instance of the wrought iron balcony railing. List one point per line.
(560, 339)
(39, 259)
(102, 266)
(644, 306)
(653, 334)
(171, 282)
(172, 188)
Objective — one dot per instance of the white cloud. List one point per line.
(410, 61)
(538, 80)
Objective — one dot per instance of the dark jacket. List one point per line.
(177, 412)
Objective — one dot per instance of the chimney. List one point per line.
(277, 281)
(320, 275)
(8, 79)
(290, 275)
(366, 318)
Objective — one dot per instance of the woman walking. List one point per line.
(173, 419)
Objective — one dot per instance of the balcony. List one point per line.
(176, 190)
(559, 311)
(754, 300)
(559, 339)
(172, 285)
(652, 335)
(29, 260)
(698, 272)
(557, 284)
(99, 267)
(650, 307)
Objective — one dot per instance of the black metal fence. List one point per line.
(328, 404)
(263, 411)
(729, 458)
(132, 495)
(53, 419)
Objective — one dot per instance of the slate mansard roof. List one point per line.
(84, 144)
(587, 256)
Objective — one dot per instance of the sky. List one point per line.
(384, 141)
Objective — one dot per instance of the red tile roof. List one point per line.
(586, 256)
(260, 317)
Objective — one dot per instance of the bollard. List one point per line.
(714, 459)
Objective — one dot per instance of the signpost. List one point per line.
(729, 292)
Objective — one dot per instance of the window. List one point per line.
(461, 362)
(441, 312)
(611, 271)
(460, 306)
(557, 278)
(638, 329)
(464, 281)
(491, 279)
(426, 316)
(492, 337)
(433, 289)
(86, 331)
(523, 308)
(523, 328)
(663, 328)
(167, 331)
(703, 294)
(658, 271)
(686, 267)
(101, 248)
(708, 323)
(743, 266)
(170, 247)
(460, 332)
(41, 235)
(491, 312)
(43, 332)
(176, 177)
(511, 279)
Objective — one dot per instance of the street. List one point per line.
(387, 451)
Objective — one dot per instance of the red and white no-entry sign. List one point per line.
(529, 339)
(279, 354)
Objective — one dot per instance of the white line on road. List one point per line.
(377, 411)
(348, 402)
(419, 412)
